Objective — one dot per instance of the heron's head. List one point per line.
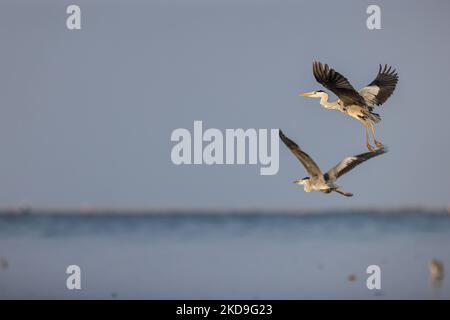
(314, 94)
(302, 181)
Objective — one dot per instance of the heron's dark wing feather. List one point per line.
(351, 162)
(380, 89)
(311, 167)
(337, 83)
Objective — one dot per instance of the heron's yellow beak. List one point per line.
(306, 94)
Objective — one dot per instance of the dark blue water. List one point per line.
(223, 256)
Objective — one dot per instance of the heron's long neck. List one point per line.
(329, 105)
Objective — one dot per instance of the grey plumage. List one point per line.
(311, 167)
(336, 82)
(350, 163)
(326, 183)
(356, 104)
(385, 83)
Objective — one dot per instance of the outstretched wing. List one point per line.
(311, 167)
(380, 89)
(337, 83)
(350, 162)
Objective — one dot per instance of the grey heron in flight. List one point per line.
(326, 183)
(356, 104)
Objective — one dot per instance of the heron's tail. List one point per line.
(374, 117)
(347, 194)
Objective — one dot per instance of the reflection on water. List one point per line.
(224, 256)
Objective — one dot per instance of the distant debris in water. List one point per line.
(4, 264)
(436, 271)
(352, 278)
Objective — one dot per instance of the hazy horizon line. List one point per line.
(29, 210)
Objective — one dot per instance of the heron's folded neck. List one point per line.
(327, 104)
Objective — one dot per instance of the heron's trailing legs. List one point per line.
(377, 143)
(368, 140)
(347, 194)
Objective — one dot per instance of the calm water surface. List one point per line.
(226, 256)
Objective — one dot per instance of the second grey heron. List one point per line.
(326, 183)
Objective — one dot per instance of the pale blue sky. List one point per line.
(86, 116)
